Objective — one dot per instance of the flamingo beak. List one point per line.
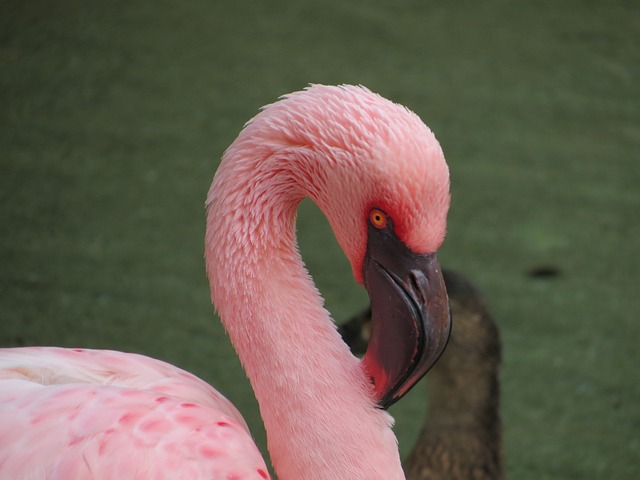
(410, 318)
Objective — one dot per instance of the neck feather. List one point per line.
(317, 406)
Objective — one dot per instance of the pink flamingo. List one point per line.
(379, 176)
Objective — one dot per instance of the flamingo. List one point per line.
(379, 175)
(461, 438)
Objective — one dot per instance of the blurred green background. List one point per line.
(113, 115)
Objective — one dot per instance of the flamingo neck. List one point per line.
(316, 404)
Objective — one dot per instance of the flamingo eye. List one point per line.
(378, 218)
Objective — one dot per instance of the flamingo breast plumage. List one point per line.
(379, 175)
(78, 413)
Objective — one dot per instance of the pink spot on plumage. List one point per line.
(186, 419)
(102, 448)
(74, 441)
(153, 425)
(262, 473)
(128, 418)
(35, 420)
(209, 452)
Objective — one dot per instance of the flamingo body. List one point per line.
(95, 414)
(106, 414)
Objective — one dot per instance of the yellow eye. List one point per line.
(378, 218)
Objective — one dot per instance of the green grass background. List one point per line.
(113, 115)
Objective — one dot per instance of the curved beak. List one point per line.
(410, 319)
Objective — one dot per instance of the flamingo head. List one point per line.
(380, 177)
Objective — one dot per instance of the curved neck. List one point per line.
(315, 401)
